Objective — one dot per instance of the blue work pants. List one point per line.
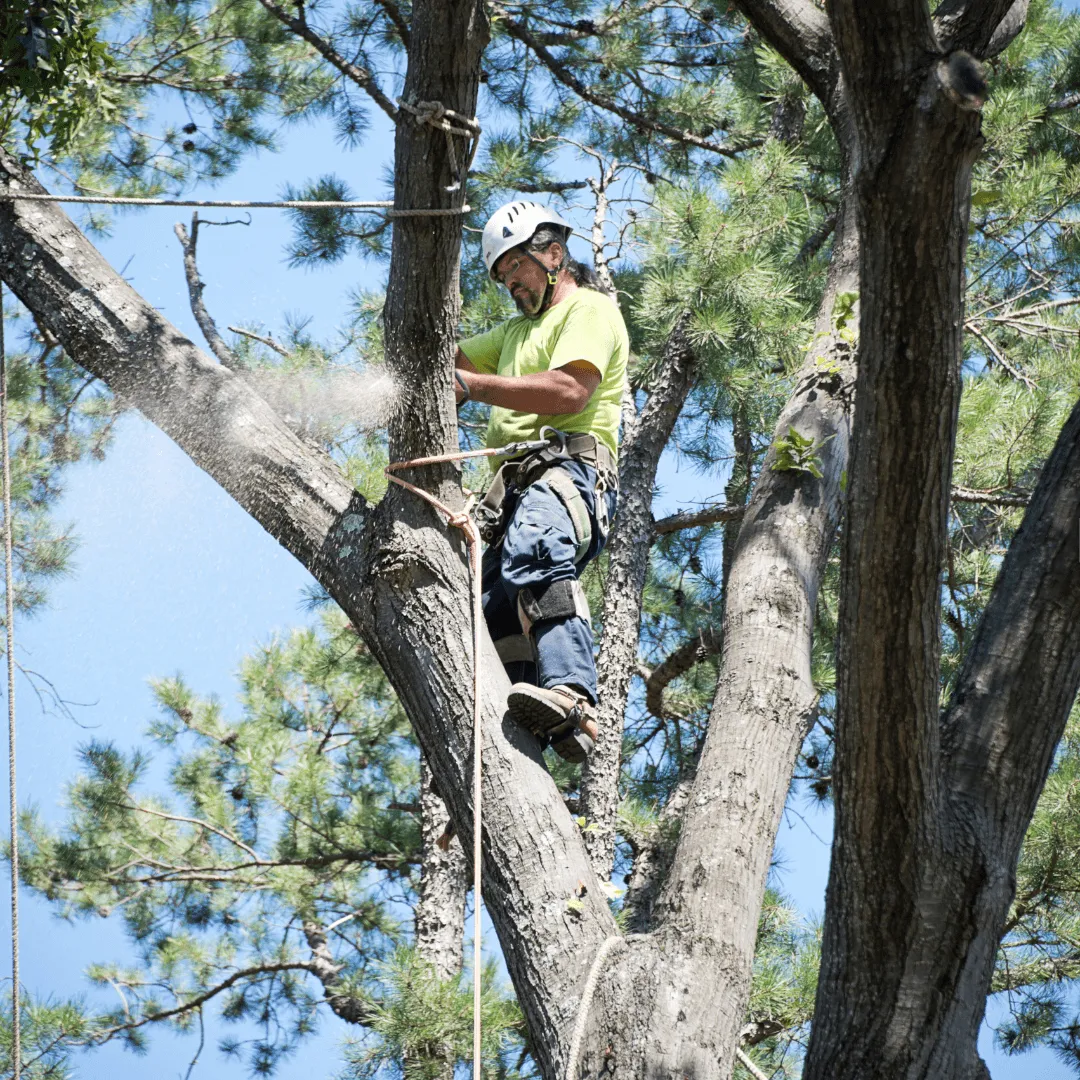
(537, 549)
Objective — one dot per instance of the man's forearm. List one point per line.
(547, 393)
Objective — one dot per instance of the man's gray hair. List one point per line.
(547, 235)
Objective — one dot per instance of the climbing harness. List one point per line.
(554, 448)
(9, 628)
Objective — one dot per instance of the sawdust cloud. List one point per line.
(335, 398)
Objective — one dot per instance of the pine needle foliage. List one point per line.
(705, 180)
(423, 1024)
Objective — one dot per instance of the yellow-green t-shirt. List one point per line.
(585, 326)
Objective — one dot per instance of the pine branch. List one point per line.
(563, 74)
(686, 656)
(269, 342)
(692, 519)
(988, 498)
(999, 357)
(799, 32)
(393, 13)
(201, 999)
(195, 290)
(359, 75)
(349, 1007)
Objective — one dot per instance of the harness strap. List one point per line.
(552, 279)
(564, 487)
(541, 464)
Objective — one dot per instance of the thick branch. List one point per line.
(679, 662)
(359, 75)
(1007, 713)
(394, 14)
(799, 31)
(292, 490)
(988, 498)
(885, 50)
(351, 1009)
(981, 27)
(440, 907)
(694, 519)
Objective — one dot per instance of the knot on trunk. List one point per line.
(963, 79)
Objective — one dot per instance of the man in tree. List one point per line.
(559, 367)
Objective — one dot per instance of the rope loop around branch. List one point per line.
(451, 123)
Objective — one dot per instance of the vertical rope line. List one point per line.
(9, 628)
(474, 560)
(466, 524)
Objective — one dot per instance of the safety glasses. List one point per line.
(502, 276)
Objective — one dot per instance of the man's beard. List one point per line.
(528, 302)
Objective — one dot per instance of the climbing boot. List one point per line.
(561, 715)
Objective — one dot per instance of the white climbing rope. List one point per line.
(749, 1065)
(438, 116)
(574, 1056)
(383, 206)
(9, 628)
(462, 520)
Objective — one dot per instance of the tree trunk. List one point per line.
(680, 1015)
(440, 908)
(920, 878)
(628, 565)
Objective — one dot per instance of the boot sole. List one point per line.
(546, 720)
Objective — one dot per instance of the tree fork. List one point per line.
(402, 585)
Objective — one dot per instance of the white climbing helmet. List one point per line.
(514, 224)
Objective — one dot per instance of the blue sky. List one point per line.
(171, 576)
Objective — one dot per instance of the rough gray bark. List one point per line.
(397, 570)
(705, 919)
(925, 853)
(628, 564)
(444, 884)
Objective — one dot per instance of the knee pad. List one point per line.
(515, 649)
(559, 600)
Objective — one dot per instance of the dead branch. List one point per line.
(195, 290)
